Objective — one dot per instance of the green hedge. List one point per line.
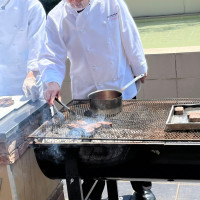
(49, 4)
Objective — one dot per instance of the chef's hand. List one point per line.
(51, 91)
(30, 88)
(143, 78)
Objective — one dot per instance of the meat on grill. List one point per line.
(89, 126)
(73, 125)
(81, 123)
(105, 124)
(6, 102)
(179, 110)
(194, 117)
(88, 129)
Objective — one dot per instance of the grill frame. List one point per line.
(151, 161)
(138, 159)
(129, 126)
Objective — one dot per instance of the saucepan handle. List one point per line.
(131, 82)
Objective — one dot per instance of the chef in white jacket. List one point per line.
(22, 26)
(102, 42)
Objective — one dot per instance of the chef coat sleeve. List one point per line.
(131, 40)
(53, 55)
(36, 30)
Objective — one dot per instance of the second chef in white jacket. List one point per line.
(22, 26)
(102, 42)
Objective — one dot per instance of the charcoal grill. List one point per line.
(137, 147)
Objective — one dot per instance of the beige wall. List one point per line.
(139, 8)
(173, 72)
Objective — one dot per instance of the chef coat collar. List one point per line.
(73, 11)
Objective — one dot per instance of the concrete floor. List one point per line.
(162, 191)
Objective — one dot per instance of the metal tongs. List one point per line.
(71, 113)
(60, 115)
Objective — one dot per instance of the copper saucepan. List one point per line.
(108, 101)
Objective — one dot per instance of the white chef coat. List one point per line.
(102, 43)
(22, 26)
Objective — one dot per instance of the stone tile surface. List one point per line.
(186, 68)
(189, 192)
(155, 89)
(162, 190)
(165, 190)
(188, 88)
(124, 190)
(161, 66)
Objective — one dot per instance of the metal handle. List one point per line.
(60, 115)
(131, 82)
(73, 114)
(52, 115)
(61, 103)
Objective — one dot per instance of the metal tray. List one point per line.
(181, 122)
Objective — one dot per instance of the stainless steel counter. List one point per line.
(14, 119)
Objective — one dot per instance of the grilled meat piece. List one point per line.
(6, 102)
(96, 126)
(179, 110)
(88, 130)
(82, 123)
(71, 126)
(194, 117)
(105, 124)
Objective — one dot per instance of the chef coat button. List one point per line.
(89, 49)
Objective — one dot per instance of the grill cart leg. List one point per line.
(87, 190)
(112, 190)
(73, 180)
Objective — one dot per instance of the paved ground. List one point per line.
(162, 191)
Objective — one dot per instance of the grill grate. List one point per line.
(140, 120)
